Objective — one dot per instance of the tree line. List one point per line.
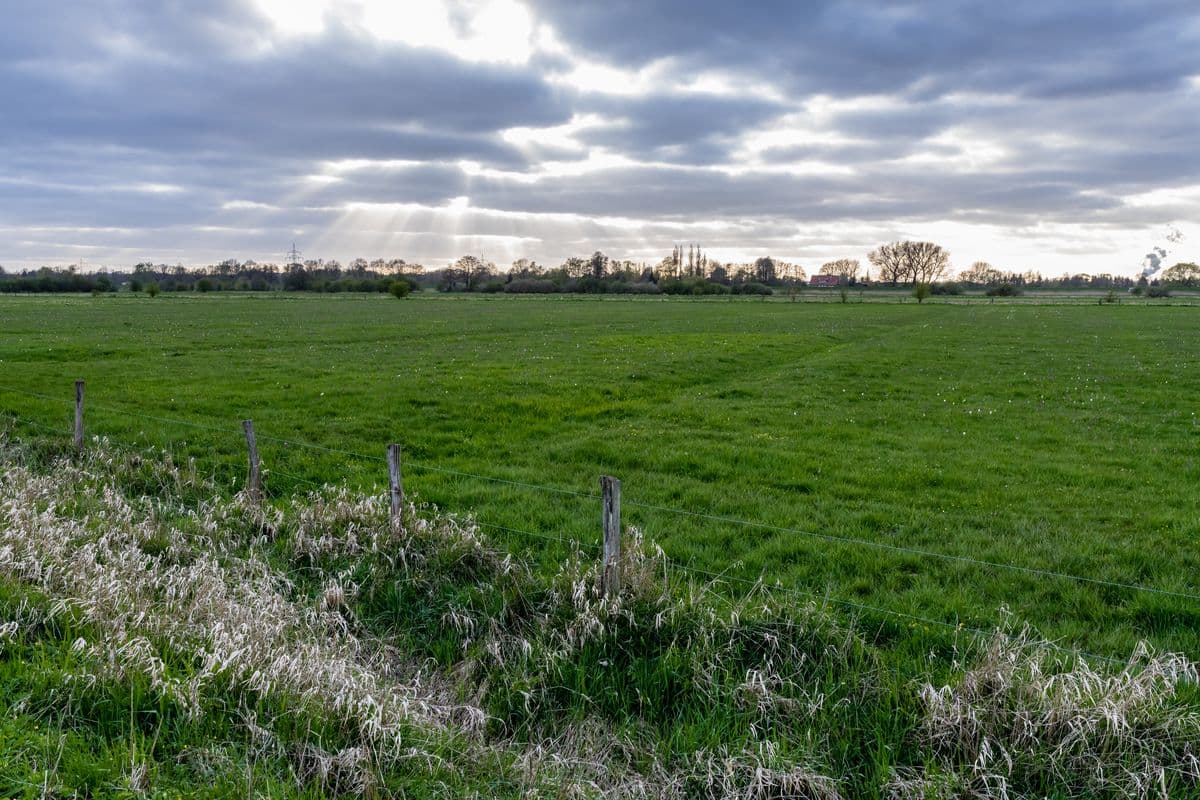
(924, 266)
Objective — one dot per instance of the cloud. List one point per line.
(199, 132)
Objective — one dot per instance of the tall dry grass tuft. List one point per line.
(1024, 721)
(193, 614)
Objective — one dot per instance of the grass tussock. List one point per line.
(1025, 720)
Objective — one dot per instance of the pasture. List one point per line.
(1055, 438)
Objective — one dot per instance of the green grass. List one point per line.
(1054, 437)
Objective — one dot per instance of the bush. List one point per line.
(1157, 291)
(530, 286)
(399, 288)
(948, 288)
(692, 286)
(204, 285)
(492, 287)
(1004, 290)
(921, 291)
(753, 287)
(152, 289)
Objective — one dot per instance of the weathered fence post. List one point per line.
(610, 581)
(395, 482)
(79, 415)
(254, 479)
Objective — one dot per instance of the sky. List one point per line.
(1056, 135)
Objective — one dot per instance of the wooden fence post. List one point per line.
(254, 479)
(79, 415)
(610, 582)
(395, 482)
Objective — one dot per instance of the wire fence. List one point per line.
(685, 568)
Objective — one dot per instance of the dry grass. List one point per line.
(1022, 717)
(194, 599)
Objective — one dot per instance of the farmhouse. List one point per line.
(825, 281)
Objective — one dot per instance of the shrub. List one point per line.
(152, 289)
(135, 285)
(1003, 290)
(530, 286)
(492, 287)
(948, 288)
(1157, 291)
(753, 287)
(399, 288)
(921, 291)
(693, 286)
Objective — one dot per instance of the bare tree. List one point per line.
(468, 269)
(910, 262)
(982, 273)
(846, 268)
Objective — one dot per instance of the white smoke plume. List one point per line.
(1153, 261)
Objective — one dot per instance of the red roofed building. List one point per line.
(825, 281)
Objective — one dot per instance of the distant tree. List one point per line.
(598, 265)
(764, 270)
(981, 273)
(786, 271)
(910, 262)
(921, 291)
(846, 268)
(468, 269)
(1183, 274)
(575, 267)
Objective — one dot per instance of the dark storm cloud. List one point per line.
(846, 47)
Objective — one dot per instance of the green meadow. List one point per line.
(886, 459)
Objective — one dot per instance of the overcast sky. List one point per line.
(1055, 135)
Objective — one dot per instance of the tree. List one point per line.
(846, 268)
(981, 273)
(1183, 273)
(910, 262)
(598, 265)
(468, 269)
(764, 270)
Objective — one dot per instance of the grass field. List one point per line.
(895, 470)
(1055, 438)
